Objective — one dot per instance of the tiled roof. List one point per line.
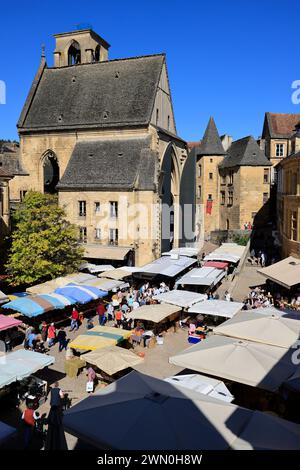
(281, 125)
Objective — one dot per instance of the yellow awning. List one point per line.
(109, 329)
(90, 343)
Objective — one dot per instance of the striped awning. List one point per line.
(34, 305)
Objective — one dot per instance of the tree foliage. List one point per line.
(44, 243)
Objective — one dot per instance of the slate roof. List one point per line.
(244, 152)
(10, 160)
(120, 164)
(280, 125)
(211, 143)
(112, 93)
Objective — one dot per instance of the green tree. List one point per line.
(44, 243)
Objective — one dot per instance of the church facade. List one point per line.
(102, 134)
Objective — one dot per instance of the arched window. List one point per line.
(74, 54)
(51, 173)
(97, 53)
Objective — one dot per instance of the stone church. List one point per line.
(101, 133)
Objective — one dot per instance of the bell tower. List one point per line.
(79, 47)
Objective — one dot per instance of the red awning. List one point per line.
(8, 322)
(216, 264)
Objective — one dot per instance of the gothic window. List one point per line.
(51, 173)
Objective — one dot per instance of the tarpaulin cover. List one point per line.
(8, 322)
(81, 294)
(32, 306)
(20, 364)
(216, 264)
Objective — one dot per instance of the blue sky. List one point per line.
(232, 59)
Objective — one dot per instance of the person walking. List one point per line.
(118, 317)
(74, 320)
(51, 335)
(62, 339)
(101, 313)
(91, 375)
(56, 396)
(43, 330)
(28, 417)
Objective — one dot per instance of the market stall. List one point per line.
(155, 313)
(116, 274)
(165, 267)
(202, 384)
(7, 322)
(113, 359)
(81, 293)
(255, 364)
(50, 286)
(181, 298)
(268, 329)
(17, 365)
(218, 308)
(285, 273)
(171, 414)
(207, 277)
(34, 305)
(99, 337)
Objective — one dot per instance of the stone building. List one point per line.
(278, 129)
(244, 185)
(9, 168)
(102, 133)
(232, 182)
(288, 199)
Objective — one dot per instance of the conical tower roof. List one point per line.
(211, 143)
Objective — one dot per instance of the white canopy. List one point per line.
(255, 364)
(286, 313)
(96, 268)
(176, 418)
(268, 329)
(286, 272)
(20, 364)
(182, 298)
(231, 252)
(207, 276)
(219, 308)
(3, 297)
(166, 266)
(202, 384)
(182, 251)
(155, 312)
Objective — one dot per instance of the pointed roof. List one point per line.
(211, 143)
(244, 152)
